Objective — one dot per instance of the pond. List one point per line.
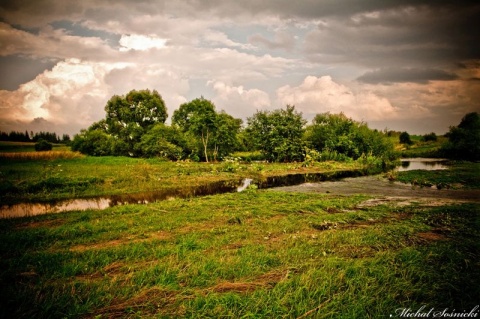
(429, 164)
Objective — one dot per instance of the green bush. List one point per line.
(43, 145)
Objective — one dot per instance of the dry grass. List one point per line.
(47, 155)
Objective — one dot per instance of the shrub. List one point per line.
(405, 138)
(41, 145)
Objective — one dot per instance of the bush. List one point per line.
(405, 138)
(432, 137)
(43, 145)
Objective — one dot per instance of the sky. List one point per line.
(399, 65)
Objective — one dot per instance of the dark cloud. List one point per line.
(396, 75)
(21, 70)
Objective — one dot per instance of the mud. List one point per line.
(385, 191)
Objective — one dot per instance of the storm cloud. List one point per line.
(390, 63)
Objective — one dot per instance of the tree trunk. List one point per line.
(205, 143)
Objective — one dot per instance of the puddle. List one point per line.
(33, 209)
(429, 164)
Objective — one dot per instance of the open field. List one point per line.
(22, 147)
(259, 254)
(255, 254)
(32, 179)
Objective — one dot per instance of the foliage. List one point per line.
(93, 142)
(464, 140)
(431, 137)
(127, 119)
(337, 137)
(405, 138)
(216, 133)
(42, 145)
(164, 141)
(14, 136)
(278, 134)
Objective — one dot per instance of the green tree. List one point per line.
(464, 139)
(278, 134)
(225, 137)
(93, 142)
(43, 145)
(197, 118)
(164, 141)
(340, 134)
(405, 138)
(129, 117)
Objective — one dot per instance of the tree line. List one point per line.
(134, 125)
(15, 136)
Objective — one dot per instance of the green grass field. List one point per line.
(256, 254)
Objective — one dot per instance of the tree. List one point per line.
(42, 145)
(164, 141)
(197, 117)
(225, 137)
(129, 117)
(278, 134)
(464, 140)
(340, 134)
(405, 138)
(93, 142)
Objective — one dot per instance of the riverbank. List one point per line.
(45, 180)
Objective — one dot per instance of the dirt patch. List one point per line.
(160, 235)
(266, 280)
(151, 301)
(43, 223)
(433, 235)
(385, 191)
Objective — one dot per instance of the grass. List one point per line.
(69, 175)
(459, 175)
(419, 148)
(256, 254)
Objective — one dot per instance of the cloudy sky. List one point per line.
(401, 65)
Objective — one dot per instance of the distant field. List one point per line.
(419, 148)
(20, 147)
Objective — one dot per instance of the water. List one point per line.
(429, 164)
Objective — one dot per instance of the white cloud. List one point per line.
(141, 42)
(238, 101)
(321, 94)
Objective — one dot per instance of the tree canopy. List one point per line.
(464, 139)
(278, 134)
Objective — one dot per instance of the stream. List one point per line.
(337, 183)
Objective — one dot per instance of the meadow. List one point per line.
(255, 254)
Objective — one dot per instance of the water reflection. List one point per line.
(429, 164)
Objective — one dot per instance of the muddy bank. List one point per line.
(382, 188)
